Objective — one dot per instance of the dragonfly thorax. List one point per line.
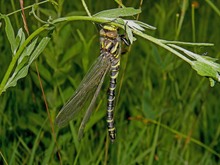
(110, 42)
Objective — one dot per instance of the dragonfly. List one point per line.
(89, 88)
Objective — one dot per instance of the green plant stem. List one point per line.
(213, 7)
(120, 3)
(17, 55)
(3, 158)
(185, 43)
(81, 18)
(193, 24)
(182, 16)
(86, 8)
(158, 42)
(28, 7)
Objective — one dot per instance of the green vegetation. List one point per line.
(167, 109)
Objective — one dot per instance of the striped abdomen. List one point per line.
(111, 100)
(111, 46)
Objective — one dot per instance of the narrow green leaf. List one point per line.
(21, 74)
(129, 34)
(210, 58)
(21, 65)
(20, 38)
(212, 63)
(203, 69)
(133, 25)
(10, 33)
(41, 46)
(118, 12)
(21, 33)
(27, 51)
(144, 25)
(206, 70)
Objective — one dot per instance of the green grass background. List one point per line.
(165, 112)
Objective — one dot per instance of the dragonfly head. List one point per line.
(109, 31)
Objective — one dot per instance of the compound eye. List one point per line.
(111, 34)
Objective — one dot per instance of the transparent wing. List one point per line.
(91, 83)
(90, 108)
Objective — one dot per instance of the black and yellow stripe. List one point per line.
(111, 46)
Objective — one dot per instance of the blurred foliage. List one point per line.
(165, 112)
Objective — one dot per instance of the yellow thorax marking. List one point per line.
(110, 27)
(114, 49)
(108, 45)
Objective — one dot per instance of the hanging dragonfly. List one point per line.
(89, 88)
